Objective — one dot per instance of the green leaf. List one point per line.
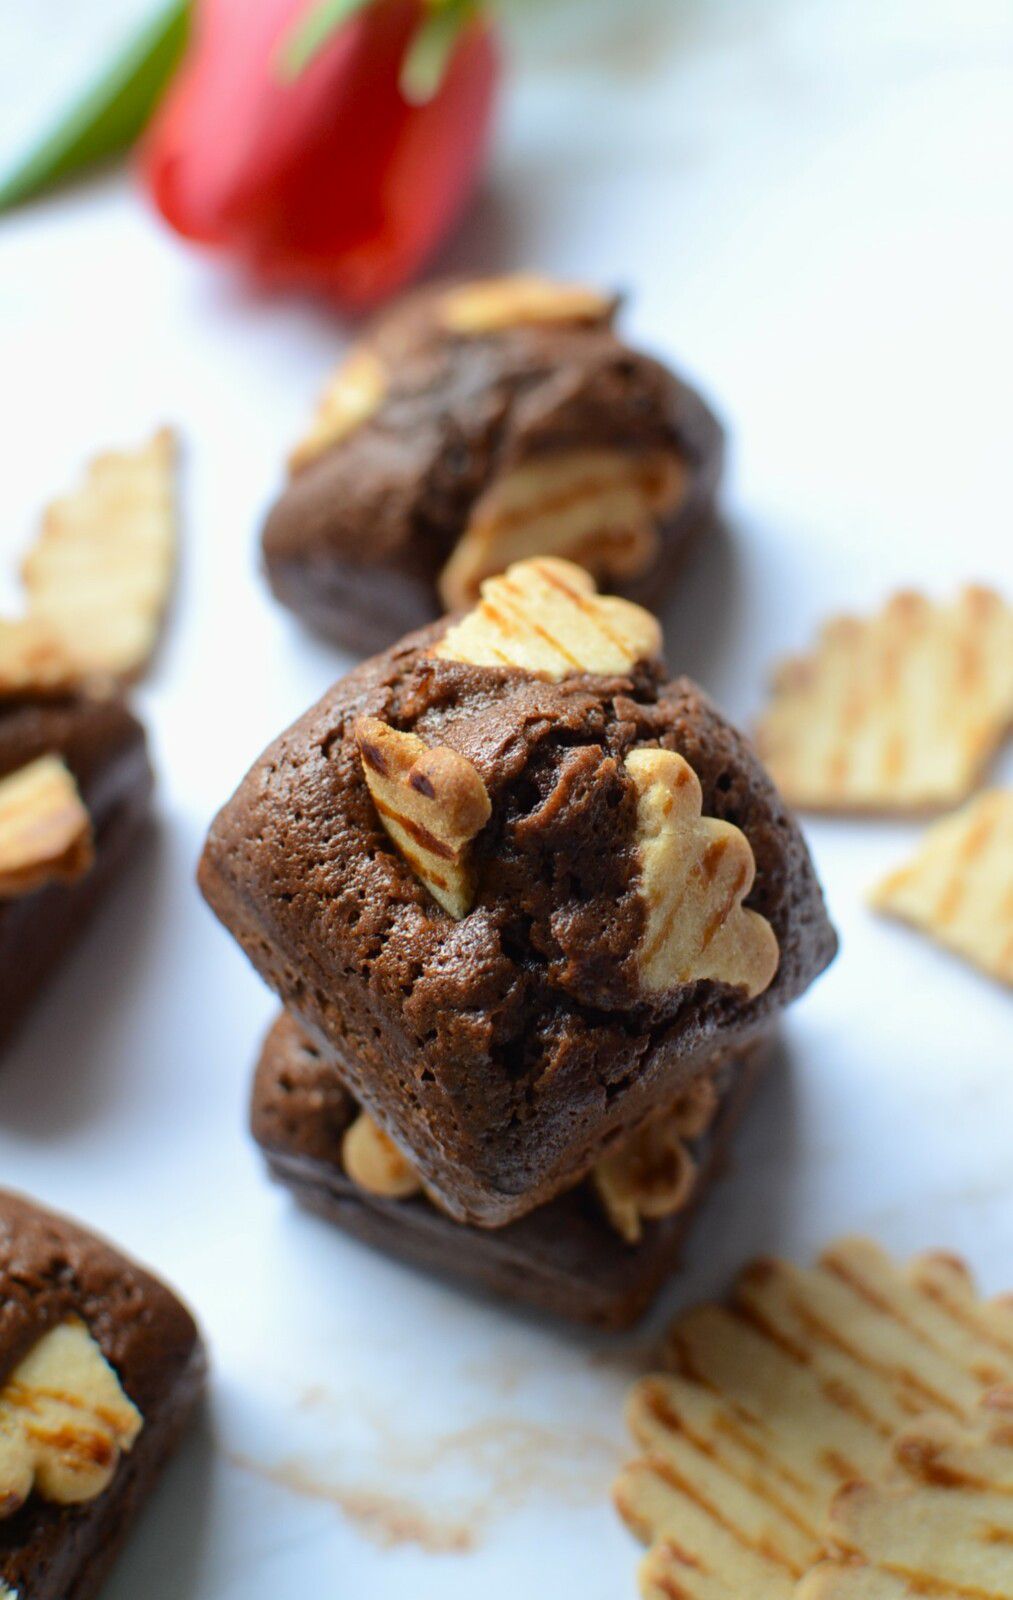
(312, 32)
(110, 115)
(432, 47)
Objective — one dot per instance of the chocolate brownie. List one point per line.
(504, 1048)
(564, 1258)
(450, 446)
(89, 1465)
(104, 747)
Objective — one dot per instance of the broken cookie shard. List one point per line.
(100, 572)
(696, 872)
(432, 802)
(895, 712)
(958, 886)
(546, 617)
(794, 1391)
(45, 829)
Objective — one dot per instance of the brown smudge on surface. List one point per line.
(510, 1462)
(384, 1519)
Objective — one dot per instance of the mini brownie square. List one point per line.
(489, 890)
(100, 1367)
(103, 747)
(565, 1257)
(477, 424)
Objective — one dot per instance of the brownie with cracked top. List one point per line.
(100, 1368)
(478, 424)
(521, 884)
(101, 747)
(572, 1256)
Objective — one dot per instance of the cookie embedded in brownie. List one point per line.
(522, 885)
(598, 1254)
(100, 1368)
(476, 425)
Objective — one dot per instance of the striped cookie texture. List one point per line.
(432, 803)
(98, 577)
(958, 886)
(64, 1421)
(101, 570)
(897, 712)
(546, 617)
(597, 507)
(942, 1525)
(695, 873)
(45, 829)
(776, 1402)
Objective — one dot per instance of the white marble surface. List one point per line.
(811, 203)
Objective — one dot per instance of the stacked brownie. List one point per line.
(532, 906)
(565, 1256)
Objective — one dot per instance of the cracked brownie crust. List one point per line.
(50, 1269)
(503, 1052)
(359, 541)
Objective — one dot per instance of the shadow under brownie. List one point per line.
(565, 1257)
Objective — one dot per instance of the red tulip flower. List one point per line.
(296, 138)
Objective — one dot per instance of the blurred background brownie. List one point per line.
(100, 1368)
(522, 904)
(568, 1257)
(478, 424)
(44, 904)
